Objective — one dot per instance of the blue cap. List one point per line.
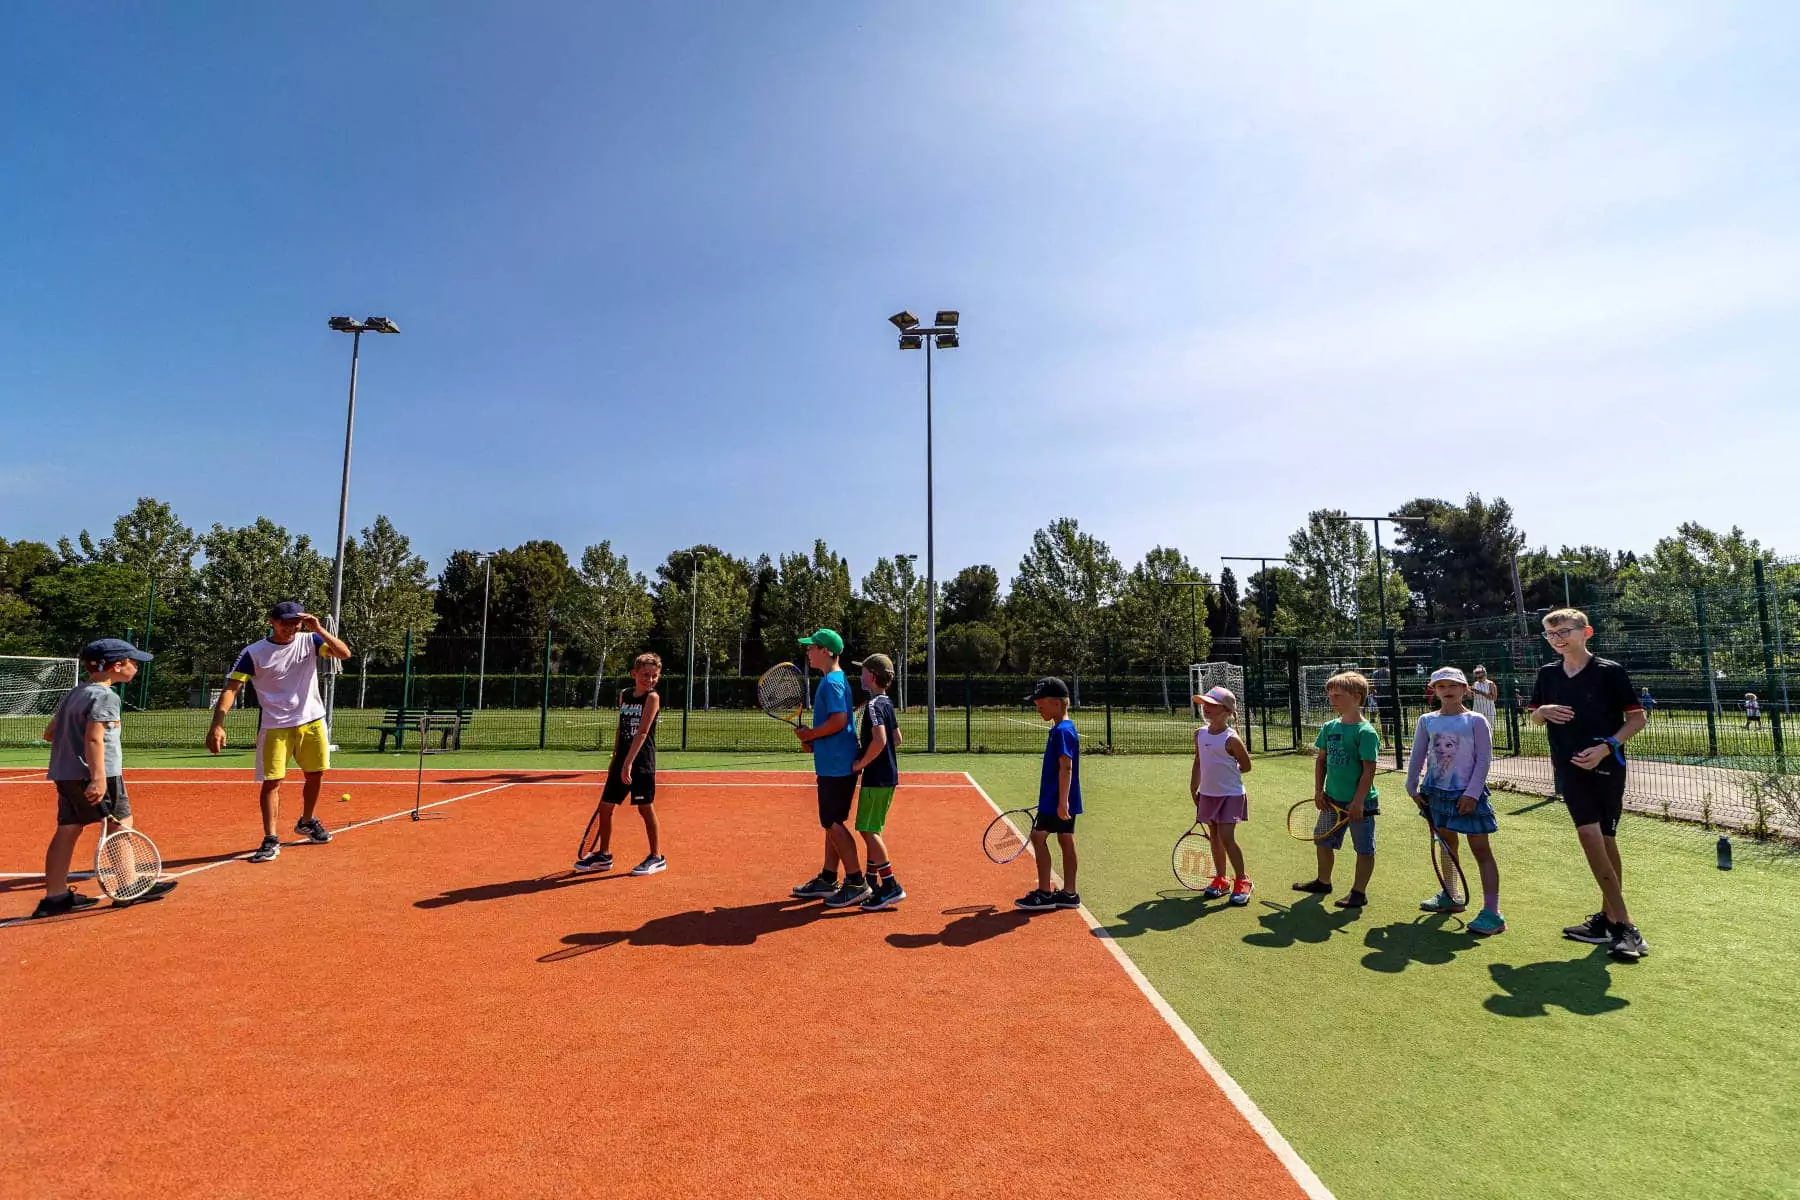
(112, 650)
(287, 610)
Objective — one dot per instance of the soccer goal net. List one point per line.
(1315, 708)
(1203, 677)
(32, 686)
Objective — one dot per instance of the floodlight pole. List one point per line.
(906, 624)
(487, 584)
(1193, 586)
(693, 620)
(1263, 570)
(1386, 633)
(337, 568)
(1565, 564)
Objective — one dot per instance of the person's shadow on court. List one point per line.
(1580, 986)
(1168, 912)
(1307, 920)
(1430, 939)
(737, 926)
(512, 887)
(974, 924)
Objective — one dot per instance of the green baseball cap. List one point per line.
(825, 639)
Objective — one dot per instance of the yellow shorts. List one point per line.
(306, 744)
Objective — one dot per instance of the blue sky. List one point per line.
(1217, 268)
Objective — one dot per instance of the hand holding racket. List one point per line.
(1310, 823)
(1009, 834)
(781, 693)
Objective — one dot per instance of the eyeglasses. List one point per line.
(1556, 635)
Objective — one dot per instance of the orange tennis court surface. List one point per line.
(441, 1009)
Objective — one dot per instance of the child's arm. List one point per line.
(1234, 746)
(1194, 774)
(1065, 774)
(95, 750)
(1415, 762)
(832, 724)
(1363, 784)
(1484, 758)
(1319, 779)
(877, 743)
(652, 705)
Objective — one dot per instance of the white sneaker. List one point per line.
(651, 865)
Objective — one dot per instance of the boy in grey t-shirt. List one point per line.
(86, 766)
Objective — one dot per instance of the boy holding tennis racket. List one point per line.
(1059, 800)
(1221, 801)
(880, 774)
(1344, 774)
(832, 740)
(86, 765)
(632, 772)
(1447, 778)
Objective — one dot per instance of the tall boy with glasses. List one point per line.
(1590, 710)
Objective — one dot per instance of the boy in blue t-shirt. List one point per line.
(832, 740)
(1059, 799)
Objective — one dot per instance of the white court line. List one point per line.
(1303, 1175)
(662, 782)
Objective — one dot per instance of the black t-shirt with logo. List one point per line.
(631, 715)
(884, 771)
(1600, 693)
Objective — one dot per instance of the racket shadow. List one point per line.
(1306, 921)
(1173, 908)
(740, 925)
(1429, 939)
(510, 888)
(973, 925)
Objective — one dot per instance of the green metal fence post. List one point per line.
(1706, 668)
(405, 695)
(544, 701)
(144, 674)
(1393, 671)
(1510, 682)
(1293, 665)
(1108, 654)
(1262, 691)
(1771, 687)
(968, 705)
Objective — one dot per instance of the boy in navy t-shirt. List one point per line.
(875, 763)
(1059, 799)
(832, 740)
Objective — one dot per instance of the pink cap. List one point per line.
(1220, 696)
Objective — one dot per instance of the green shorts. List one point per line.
(872, 808)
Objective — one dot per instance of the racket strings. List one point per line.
(127, 864)
(781, 690)
(1193, 862)
(1003, 840)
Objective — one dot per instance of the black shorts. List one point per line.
(641, 789)
(836, 794)
(1049, 822)
(1593, 798)
(74, 808)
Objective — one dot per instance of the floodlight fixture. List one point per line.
(343, 324)
(948, 341)
(903, 321)
(947, 317)
(380, 325)
(911, 341)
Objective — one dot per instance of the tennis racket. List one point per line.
(1192, 859)
(1309, 823)
(1008, 834)
(126, 863)
(590, 837)
(781, 692)
(1448, 866)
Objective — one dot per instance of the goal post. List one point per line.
(33, 686)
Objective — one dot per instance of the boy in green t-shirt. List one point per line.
(1344, 773)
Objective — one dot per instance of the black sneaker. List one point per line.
(1036, 901)
(1316, 887)
(886, 896)
(70, 901)
(158, 890)
(312, 829)
(1066, 899)
(651, 865)
(1595, 931)
(599, 860)
(1628, 943)
(818, 887)
(848, 895)
(270, 848)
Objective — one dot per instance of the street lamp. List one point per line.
(905, 624)
(1565, 564)
(487, 583)
(356, 329)
(914, 336)
(693, 619)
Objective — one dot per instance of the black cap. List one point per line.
(112, 650)
(1049, 688)
(287, 610)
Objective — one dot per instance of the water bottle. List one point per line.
(1724, 853)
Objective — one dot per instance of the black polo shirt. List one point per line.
(1600, 693)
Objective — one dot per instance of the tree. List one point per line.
(247, 569)
(151, 540)
(1062, 596)
(608, 611)
(1157, 613)
(1338, 593)
(807, 594)
(1222, 611)
(721, 610)
(970, 646)
(1459, 557)
(21, 632)
(1269, 599)
(896, 609)
(973, 595)
(387, 591)
(1593, 573)
(81, 601)
(1658, 591)
(530, 580)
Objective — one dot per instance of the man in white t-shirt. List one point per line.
(284, 670)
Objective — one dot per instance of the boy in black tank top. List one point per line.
(632, 771)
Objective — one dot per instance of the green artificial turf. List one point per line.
(1401, 1056)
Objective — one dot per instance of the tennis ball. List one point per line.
(343, 797)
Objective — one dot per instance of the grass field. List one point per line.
(1403, 1057)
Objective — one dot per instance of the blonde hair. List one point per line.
(1566, 616)
(648, 658)
(1354, 682)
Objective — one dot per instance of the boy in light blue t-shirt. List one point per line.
(832, 740)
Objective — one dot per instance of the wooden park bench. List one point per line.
(448, 726)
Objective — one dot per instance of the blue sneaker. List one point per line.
(1487, 922)
(1441, 903)
(1036, 901)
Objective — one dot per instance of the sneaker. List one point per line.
(1628, 943)
(1441, 903)
(1487, 922)
(1215, 889)
(312, 829)
(848, 895)
(1036, 901)
(158, 890)
(1595, 931)
(886, 896)
(1066, 899)
(817, 887)
(1240, 892)
(599, 860)
(1351, 899)
(70, 901)
(651, 865)
(270, 848)
(1316, 887)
